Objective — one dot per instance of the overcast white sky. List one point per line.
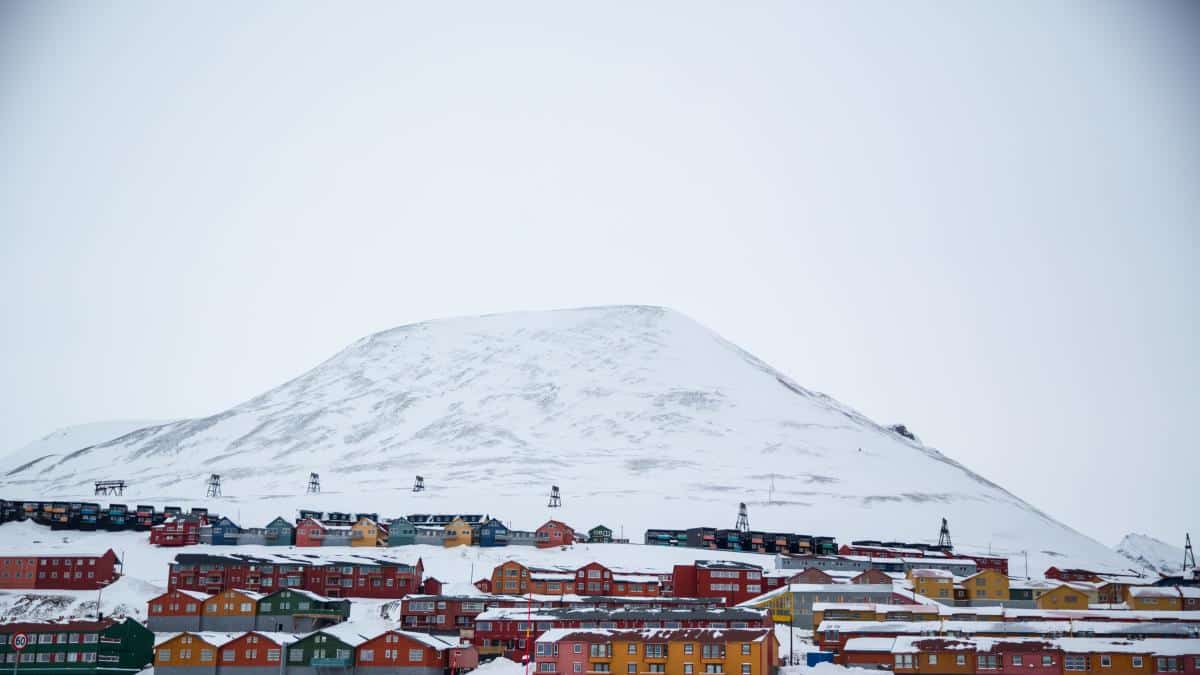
(977, 219)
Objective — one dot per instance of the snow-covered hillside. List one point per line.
(68, 439)
(642, 416)
(1150, 553)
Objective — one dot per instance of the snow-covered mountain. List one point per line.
(1150, 553)
(641, 415)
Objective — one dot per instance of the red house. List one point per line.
(177, 531)
(554, 533)
(70, 572)
(310, 532)
(736, 582)
(484, 584)
(1071, 574)
(440, 613)
(432, 586)
(404, 652)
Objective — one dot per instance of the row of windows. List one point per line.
(57, 638)
(53, 562)
(60, 657)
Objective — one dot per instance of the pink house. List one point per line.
(554, 533)
(567, 651)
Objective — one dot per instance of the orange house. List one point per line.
(230, 611)
(933, 583)
(365, 533)
(190, 653)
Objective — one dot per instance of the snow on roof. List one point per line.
(1154, 592)
(556, 634)
(440, 643)
(869, 644)
(635, 578)
(551, 576)
(925, 572)
(356, 633)
(213, 638)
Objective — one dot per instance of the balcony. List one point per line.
(331, 663)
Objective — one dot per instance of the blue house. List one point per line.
(225, 532)
(493, 533)
(279, 532)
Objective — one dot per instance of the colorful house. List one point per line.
(432, 586)
(295, 610)
(1163, 598)
(225, 532)
(493, 533)
(279, 532)
(176, 611)
(811, 575)
(555, 533)
(600, 535)
(177, 531)
(365, 533)
(310, 532)
(401, 532)
(105, 646)
(405, 653)
(331, 647)
(484, 585)
(736, 582)
(253, 653)
(987, 586)
(189, 654)
(458, 533)
(931, 583)
(1063, 597)
(230, 611)
(678, 652)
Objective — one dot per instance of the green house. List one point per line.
(331, 647)
(294, 610)
(401, 532)
(105, 646)
(279, 532)
(600, 535)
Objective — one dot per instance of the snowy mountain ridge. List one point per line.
(1152, 554)
(642, 416)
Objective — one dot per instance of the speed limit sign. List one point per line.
(20, 641)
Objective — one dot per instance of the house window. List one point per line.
(367, 655)
(576, 667)
(688, 648)
(687, 669)
(960, 660)
(1016, 659)
(1105, 661)
(933, 659)
(904, 660)
(745, 649)
(1075, 662)
(632, 648)
(414, 655)
(1137, 662)
(631, 668)
(988, 662)
(295, 655)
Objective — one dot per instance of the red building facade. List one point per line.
(213, 574)
(177, 532)
(67, 572)
(735, 582)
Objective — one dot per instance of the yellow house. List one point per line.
(1063, 597)
(935, 584)
(365, 533)
(1164, 598)
(988, 585)
(458, 533)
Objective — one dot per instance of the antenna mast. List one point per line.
(555, 497)
(1189, 556)
(314, 483)
(419, 484)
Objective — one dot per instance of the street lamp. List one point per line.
(99, 596)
